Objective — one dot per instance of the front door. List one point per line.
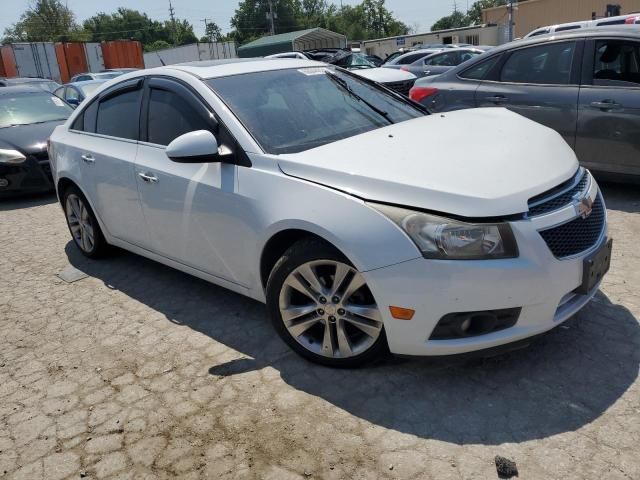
(539, 82)
(188, 207)
(608, 137)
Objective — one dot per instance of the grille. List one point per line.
(559, 196)
(577, 235)
(401, 87)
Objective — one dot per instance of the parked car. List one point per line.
(75, 93)
(304, 186)
(410, 57)
(83, 77)
(28, 115)
(375, 59)
(43, 83)
(440, 62)
(631, 19)
(584, 84)
(400, 82)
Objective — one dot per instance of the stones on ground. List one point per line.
(506, 468)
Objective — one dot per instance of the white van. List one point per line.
(631, 19)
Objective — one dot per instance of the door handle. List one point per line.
(86, 158)
(149, 178)
(497, 99)
(606, 105)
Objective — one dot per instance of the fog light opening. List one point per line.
(471, 324)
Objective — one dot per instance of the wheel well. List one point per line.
(277, 245)
(63, 184)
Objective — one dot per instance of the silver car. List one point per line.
(441, 62)
(584, 84)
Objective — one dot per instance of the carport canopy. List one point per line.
(292, 41)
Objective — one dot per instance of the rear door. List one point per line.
(608, 137)
(189, 208)
(106, 143)
(540, 82)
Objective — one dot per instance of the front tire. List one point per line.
(82, 223)
(322, 308)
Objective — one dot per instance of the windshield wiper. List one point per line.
(345, 86)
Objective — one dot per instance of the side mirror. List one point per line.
(200, 146)
(74, 102)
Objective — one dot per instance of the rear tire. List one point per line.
(322, 308)
(83, 225)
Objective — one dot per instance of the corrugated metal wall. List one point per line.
(532, 14)
(122, 54)
(190, 53)
(63, 60)
(7, 62)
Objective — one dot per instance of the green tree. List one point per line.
(44, 20)
(157, 45)
(456, 20)
(250, 19)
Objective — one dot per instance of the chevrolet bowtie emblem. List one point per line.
(584, 207)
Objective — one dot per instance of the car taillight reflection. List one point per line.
(417, 94)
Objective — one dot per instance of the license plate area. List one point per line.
(595, 267)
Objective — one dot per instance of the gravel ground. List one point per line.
(139, 371)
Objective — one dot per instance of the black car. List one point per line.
(28, 115)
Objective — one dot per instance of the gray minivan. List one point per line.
(584, 84)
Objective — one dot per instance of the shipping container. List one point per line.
(72, 59)
(7, 62)
(122, 54)
(95, 61)
(190, 53)
(36, 59)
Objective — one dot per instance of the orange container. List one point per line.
(122, 54)
(7, 62)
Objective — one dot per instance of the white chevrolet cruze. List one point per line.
(363, 222)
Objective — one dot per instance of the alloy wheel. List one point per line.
(328, 308)
(80, 222)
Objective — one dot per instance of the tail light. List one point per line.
(417, 94)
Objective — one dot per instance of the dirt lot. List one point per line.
(139, 371)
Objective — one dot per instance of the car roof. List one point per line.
(608, 31)
(87, 82)
(20, 89)
(237, 66)
(27, 80)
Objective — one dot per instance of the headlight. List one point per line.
(443, 238)
(11, 156)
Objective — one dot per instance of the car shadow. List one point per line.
(563, 381)
(622, 197)
(18, 202)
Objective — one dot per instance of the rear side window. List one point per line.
(410, 58)
(617, 61)
(568, 27)
(543, 64)
(480, 70)
(449, 59)
(118, 115)
(539, 32)
(171, 116)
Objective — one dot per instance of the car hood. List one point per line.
(28, 139)
(384, 75)
(476, 163)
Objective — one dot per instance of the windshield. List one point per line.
(293, 110)
(351, 60)
(32, 107)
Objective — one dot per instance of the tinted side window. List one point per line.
(616, 61)
(72, 93)
(411, 58)
(164, 105)
(449, 59)
(118, 115)
(544, 64)
(480, 70)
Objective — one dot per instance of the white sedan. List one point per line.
(364, 223)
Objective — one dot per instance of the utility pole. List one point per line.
(271, 15)
(205, 30)
(510, 20)
(173, 24)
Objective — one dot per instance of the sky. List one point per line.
(415, 13)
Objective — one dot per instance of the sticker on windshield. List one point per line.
(57, 101)
(313, 71)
